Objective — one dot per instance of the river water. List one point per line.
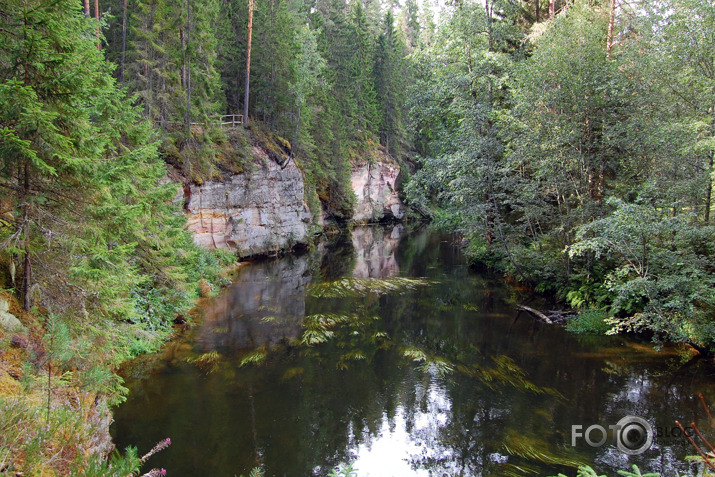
(384, 351)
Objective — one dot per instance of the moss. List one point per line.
(278, 148)
(9, 386)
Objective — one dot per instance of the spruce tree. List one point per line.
(389, 80)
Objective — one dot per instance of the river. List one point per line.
(383, 350)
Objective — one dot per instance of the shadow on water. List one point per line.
(384, 350)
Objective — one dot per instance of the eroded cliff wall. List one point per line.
(255, 212)
(263, 210)
(375, 186)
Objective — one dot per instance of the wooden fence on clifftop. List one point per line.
(231, 121)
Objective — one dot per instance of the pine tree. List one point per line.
(47, 143)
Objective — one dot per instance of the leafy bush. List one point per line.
(589, 321)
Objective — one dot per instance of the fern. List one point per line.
(361, 287)
(637, 473)
(206, 362)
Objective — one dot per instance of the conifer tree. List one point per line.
(389, 80)
(93, 222)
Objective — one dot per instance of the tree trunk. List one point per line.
(124, 42)
(96, 16)
(297, 131)
(86, 8)
(709, 193)
(187, 66)
(248, 62)
(536, 2)
(182, 39)
(490, 218)
(552, 9)
(611, 21)
(27, 270)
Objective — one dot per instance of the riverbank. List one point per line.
(58, 362)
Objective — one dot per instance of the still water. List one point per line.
(385, 351)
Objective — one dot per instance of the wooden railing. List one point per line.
(227, 120)
(231, 120)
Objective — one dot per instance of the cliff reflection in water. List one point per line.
(266, 304)
(443, 378)
(375, 249)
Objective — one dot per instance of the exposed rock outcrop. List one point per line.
(375, 187)
(8, 321)
(263, 209)
(255, 212)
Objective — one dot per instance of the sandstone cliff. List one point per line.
(255, 212)
(263, 209)
(375, 187)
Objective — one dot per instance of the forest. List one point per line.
(570, 143)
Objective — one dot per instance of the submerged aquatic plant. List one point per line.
(343, 471)
(322, 327)
(360, 287)
(254, 358)
(359, 334)
(206, 362)
(534, 449)
(506, 373)
(587, 471)
(429, 363)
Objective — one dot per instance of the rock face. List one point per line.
(374, 185)
(263, 210)
(255, 212)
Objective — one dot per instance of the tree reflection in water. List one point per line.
(418, 367)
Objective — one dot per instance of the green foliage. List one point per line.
(584, 471)
(587, 471)
(553, 160)
(343, 471)
(589, 321)
(637, 473)
(56, 445)
(660, 280)
(357, 287)
(101, 242)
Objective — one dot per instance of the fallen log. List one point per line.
(536, 313)
(550, 317)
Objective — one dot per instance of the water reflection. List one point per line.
(375, 249)
(263, 307)
(442, 379)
